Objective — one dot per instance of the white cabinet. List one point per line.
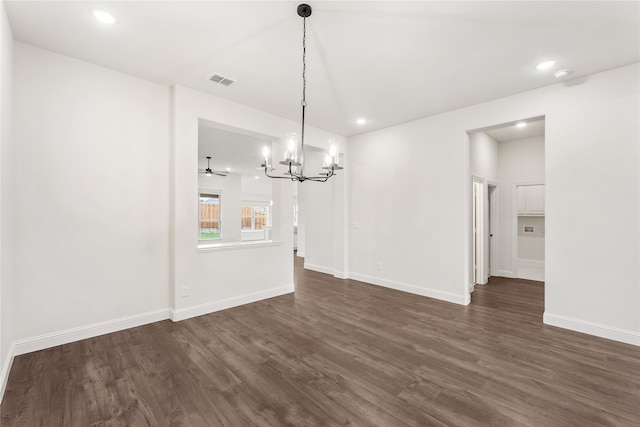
(530, 200)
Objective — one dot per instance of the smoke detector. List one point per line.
(225, 81)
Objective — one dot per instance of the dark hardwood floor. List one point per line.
(337, 353)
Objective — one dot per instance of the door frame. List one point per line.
(479, 237)
(485, 216)
(493, 226)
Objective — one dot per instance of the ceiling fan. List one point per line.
(210, 172)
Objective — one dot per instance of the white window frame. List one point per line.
(210, 192)
(254, 205)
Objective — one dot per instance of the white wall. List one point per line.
(520, 161)
(90, 198)
(6, 126)
(593, 183)
(407, 209)
(410, 198)
(256, 190)
(483, 156)
(322, 216)
(301, 239)
(317, 199)
(531, 244)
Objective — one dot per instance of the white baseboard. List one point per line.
(466, 300)
(341, 274)
(531, 269)
(483, 281)
(417, 290)
(53, 339)
(318, 268)
(505, 273)
(599, 330)
(6, 369)
(213, 306)
(326, 270)
(300, 253)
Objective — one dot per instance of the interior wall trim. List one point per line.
(223, 304)
(340, 274)
(505, 273)
(417, 290)
(319, 268)
(6, 369)
(327, 270)
(591, 328)
(27, 345)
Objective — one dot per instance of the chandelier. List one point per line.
(294, 145)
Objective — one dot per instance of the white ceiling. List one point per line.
(510, 132)
(390, 62)
(228, 148)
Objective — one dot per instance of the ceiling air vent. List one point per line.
(225, 81)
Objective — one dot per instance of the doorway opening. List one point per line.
(483, 229)
(507, 206)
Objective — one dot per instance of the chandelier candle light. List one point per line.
(294, 146)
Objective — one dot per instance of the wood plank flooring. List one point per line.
(337, 353)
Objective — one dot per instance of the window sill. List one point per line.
(216, 247)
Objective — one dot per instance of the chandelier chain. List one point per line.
(304, 62)
(304, 90)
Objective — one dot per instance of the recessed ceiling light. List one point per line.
(104, 17)
(228, 169)
(521, 125)
(561, 73)
(257, 177)
(545, 65)
(361, 121)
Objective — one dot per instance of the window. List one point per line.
(254, 216)
(209, 216)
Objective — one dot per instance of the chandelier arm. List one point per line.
(317, 178)
(276, 176)
(300, 178)
(320, 178)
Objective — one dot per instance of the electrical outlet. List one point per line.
(379, 265)
(185, 291)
